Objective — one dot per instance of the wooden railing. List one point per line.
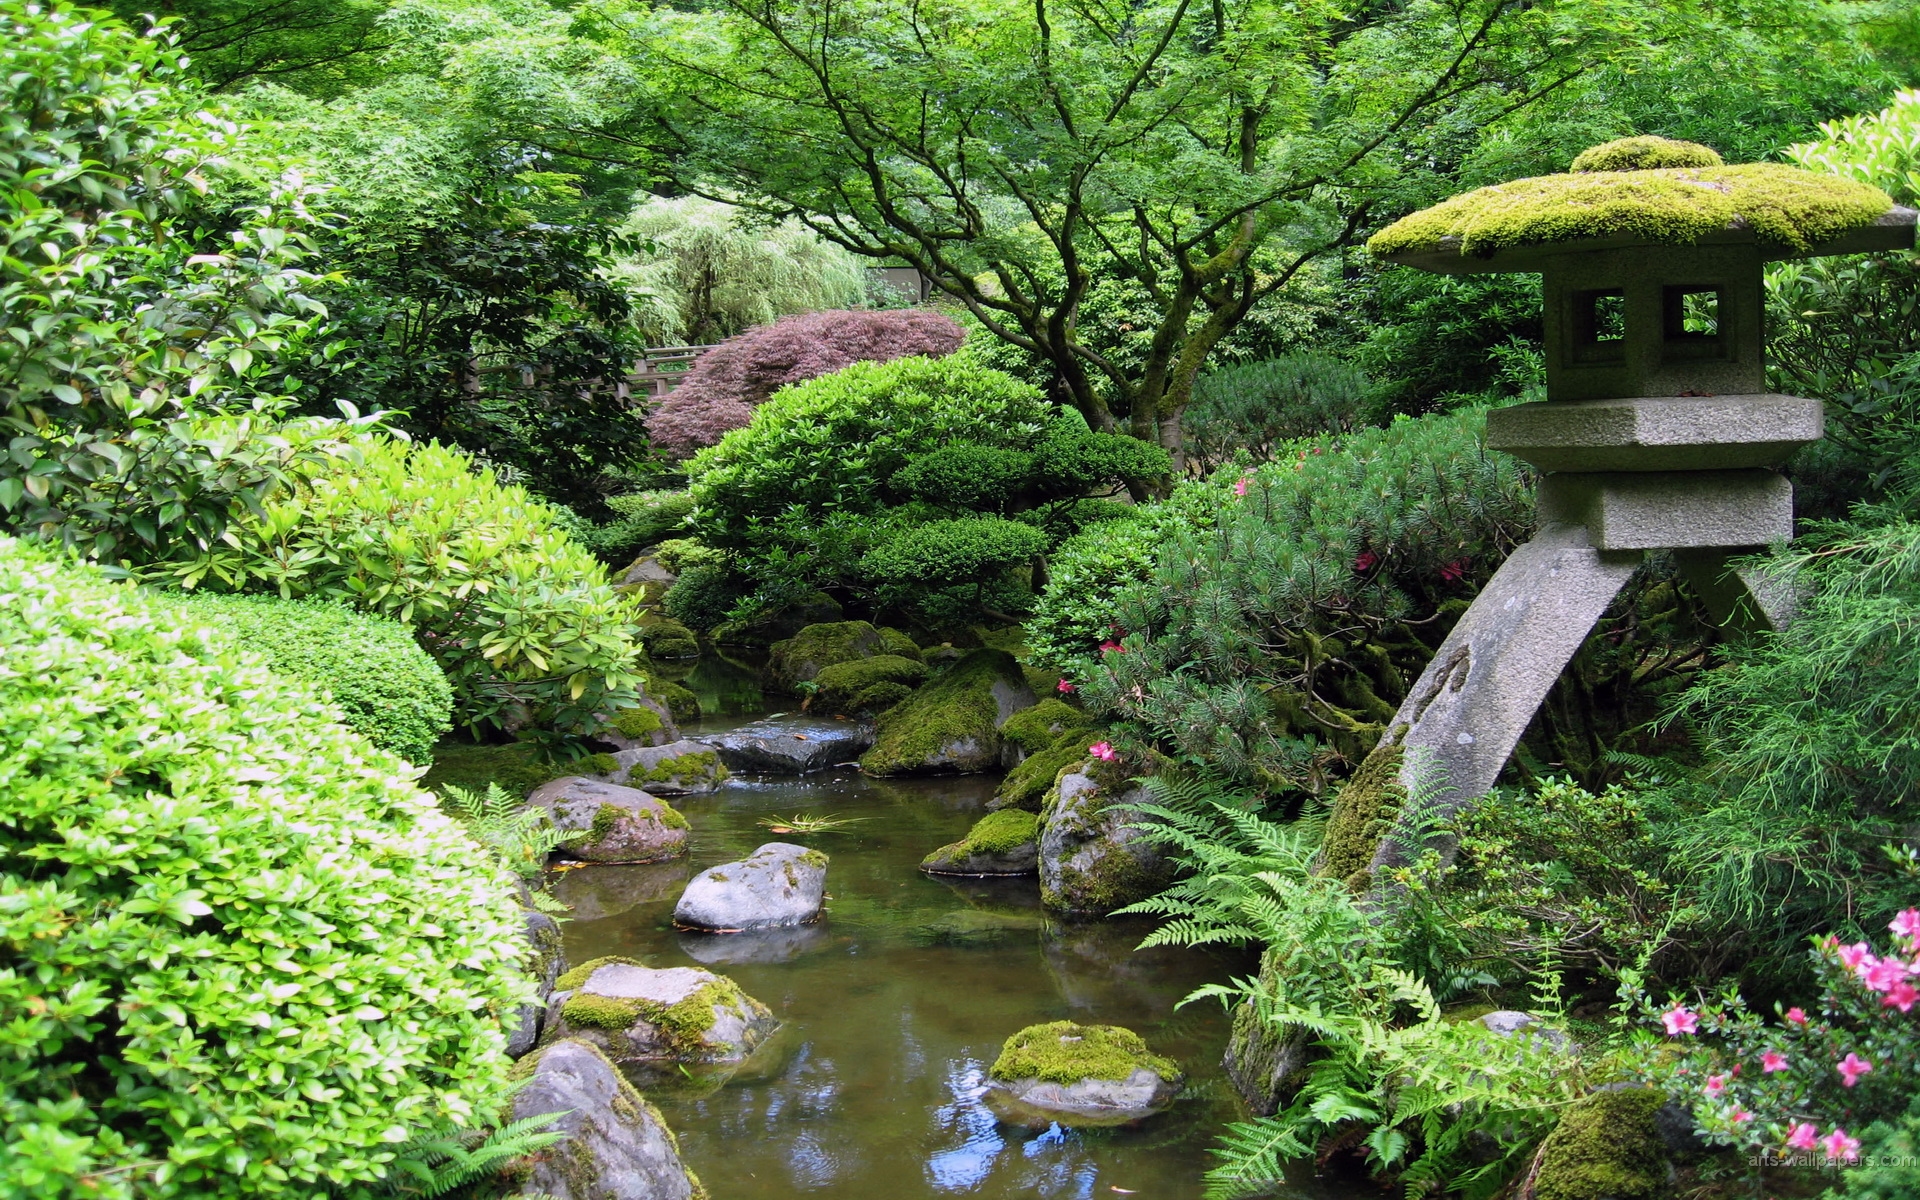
(660, 368)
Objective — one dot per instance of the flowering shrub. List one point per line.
(242, 955)
(728, 382)
(1802, 1086)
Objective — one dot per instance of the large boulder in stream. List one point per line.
(791, 745)
(1001, 843)
(1071, 1074)
(803, 656)
(778, 884)
(546, 960)
(615, 824)
(1094, 858)
(681, 768)
(952, 723)
(635, 1013)
(616, 1146)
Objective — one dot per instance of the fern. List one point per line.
(437, 1164)
(521, 836)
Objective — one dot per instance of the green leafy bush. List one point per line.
(520, 618)
(242, 955)
(1251, 409)
(641, 519)
(965, 555)
(388, 689)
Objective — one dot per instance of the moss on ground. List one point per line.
(892, 641)
(867, 685)
(1783, 206)
(1362, 812)
(636, 722)
(1607, 1145)
(1038, 728)
(955, 706)
(1065, 1051)
(1644, 154)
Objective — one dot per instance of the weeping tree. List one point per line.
(1016, 153)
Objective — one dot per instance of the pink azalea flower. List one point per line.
(1797, 1015)
(1101, 751)
(1901, 996)
(1906, 924)
(1739, 1115)
(1112, 648)
(1852, 1067)
(1453, 571)
(1365, 562)
(1063, 687)
(1839, 1145)
(1773, 1061)
(1240, 486)
(1680, 1019)
(1881, 974)
(1803, 1137)
(1715, 1085)
(1852, 956)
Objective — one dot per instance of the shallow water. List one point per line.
(896, 1003)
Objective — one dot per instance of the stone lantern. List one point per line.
(1658, 431)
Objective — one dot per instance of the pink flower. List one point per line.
(1365, 562)
(1852, 1067)
(1773, 1061)
(1715, 1085)
(1906, 924)
(1112, 648)
(1101, 751)
(1063, 687)
(1453, 571)
(1881, 974)
(1680, 1019)
(1797, 1015)
(1839, 1145)
(1739, 1115)
(1901, 996)
(1240, 486)
(1852, 956)
(1802, 1137)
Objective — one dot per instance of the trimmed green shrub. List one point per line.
(521, 619)
(388, 689)
(1249, 410)
(242, 956)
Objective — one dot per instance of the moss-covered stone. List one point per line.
(866, 685)
(1001, 843)
(1065, 1051)
(1093, 856)
(1644, 154)
(683, 704)
(630, 1027)
(1028, 784)
(1781, 205)
(636, 723)
(697, 764)
(952, 723)
(1363, 811)
(1038, 728)
(1606, 1146)
(892, 641)
(997, 833)
(667, 638)
(578, 975)
(800, 658)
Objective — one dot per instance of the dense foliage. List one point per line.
(242, 955)
(725, 385)
(389, 690)
(521, 618)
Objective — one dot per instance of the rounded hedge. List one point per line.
(241, 954)
(389, 690)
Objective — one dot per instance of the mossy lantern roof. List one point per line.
(1646, 192)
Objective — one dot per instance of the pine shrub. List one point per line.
(728, 382)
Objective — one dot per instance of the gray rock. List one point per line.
(778, 884)
(546, 959)
(616, 1146)
(647, 569)
(958, 859)
(649, 1014)
(1265, 1062)
(617, 824)
(682, 768)
(1093, 858)
(1507, 1023)
(792, 745)
(1038, 1103)
(607, 890)
(625, 732)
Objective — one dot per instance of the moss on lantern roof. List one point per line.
(1783, 206)
(1644, 154)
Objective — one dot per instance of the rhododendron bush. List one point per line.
(1804, 1084)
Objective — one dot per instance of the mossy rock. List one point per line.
(1644, 154)
(1606, 1147)
(814, 608)
(676, 769)
(1093, 855)
(1027, 785)
(1363, 810)
(667, 638)
(800, 658)
(1038, 728)
(612, 1141)
(650, 722)
(612, 824)
(682, 703)
(1781, 206)
(952, 723)
(892, 641)
(866, 685)
(1001, 843)
(1071, 1074)
(1063, 1051)
(636, 1013)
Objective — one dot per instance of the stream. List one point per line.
(895, 1004)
